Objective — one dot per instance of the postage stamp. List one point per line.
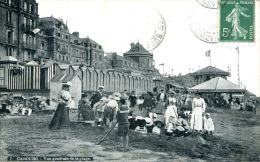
(237, 21)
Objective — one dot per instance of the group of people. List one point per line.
(184, 115)
(23, 108)
(162, 113)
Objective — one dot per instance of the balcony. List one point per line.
(9, 24)
(28, 46)
(11, 42)
(27, 29)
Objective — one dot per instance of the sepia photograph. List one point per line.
(130, 80)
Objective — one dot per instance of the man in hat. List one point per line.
(161, 98)
(99, 107)
(97, 96)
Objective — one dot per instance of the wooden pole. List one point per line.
(104, 137)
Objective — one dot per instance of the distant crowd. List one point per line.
(170, 112)
(174, 114)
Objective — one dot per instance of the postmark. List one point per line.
(158, 34)
(237, 21)
(212, 4)
(204, 27)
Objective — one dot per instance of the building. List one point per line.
(208, 73)
(56, 43)
(137, 59)
(18, 20)
(37, 52)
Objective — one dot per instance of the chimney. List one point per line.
(76, 34)
(132, 45)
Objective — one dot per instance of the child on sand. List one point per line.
(208, 124)
(170, 126)
(157, 128)
(123, 123)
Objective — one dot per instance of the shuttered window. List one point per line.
(2, 76)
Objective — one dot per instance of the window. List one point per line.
(87, 54)
(24, 21)
(9, 51)
(58, 34)
(29, 7)
(95, 46)
(100, 47)
(10, 2)
(77, 51)
(100, 58)
(63, 58)
(59, 57)
(9, 37)
(2, 76)
(25, 6)
(24, 38)
(29, 40)
(32, 9)
(8, 16)
(67, 37)
(67, 58)
(57, 46)
(42, 45)
(67, 48)
(33, 24)
(77, 60)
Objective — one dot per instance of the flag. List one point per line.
(161, 64)
(208, 53)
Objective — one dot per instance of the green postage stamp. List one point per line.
(237, 21)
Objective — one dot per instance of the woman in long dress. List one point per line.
(198, 107)
(61, 116)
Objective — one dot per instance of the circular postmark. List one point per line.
(158, 34)
(212, 4)
(149, 28)
(204, 26)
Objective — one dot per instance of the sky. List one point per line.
(115, 24)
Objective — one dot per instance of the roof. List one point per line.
(210, 70)
(92, 41)
(138, 49)
(32, 63)
(63, 77)
(47, 64)
(52, 22)
(8, 59)
(64, 66)
(75, 67)
(217, 84)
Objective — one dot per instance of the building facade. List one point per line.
(35, 50)
(18, 20)
(56, 43)
(208, 73)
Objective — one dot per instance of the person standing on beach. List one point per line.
(198, 108)
(123, 123)
(97, 96)
(61, 116)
